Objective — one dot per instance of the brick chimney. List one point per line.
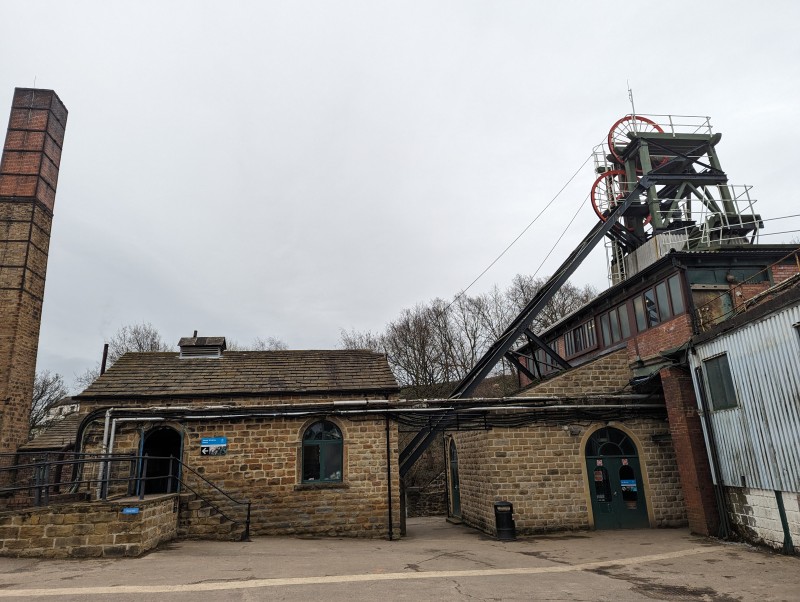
(28, 179)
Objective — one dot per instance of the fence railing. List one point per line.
(39, 479)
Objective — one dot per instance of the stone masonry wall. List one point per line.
(755, 517)
(607, 374)
(88, 529)
(540, 470)
(263, 465)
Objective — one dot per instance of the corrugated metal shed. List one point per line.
(759, 440)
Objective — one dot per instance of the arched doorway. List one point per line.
(615, 481)
(455, 495)
(162, 443)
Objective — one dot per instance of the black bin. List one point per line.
(504, 521)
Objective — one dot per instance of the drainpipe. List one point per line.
(101, 470)
(389, 475)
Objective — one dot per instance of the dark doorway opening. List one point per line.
(161, 473)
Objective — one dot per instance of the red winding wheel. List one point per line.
(618, 134)
(609, 188)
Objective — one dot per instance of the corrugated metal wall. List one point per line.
(760, 439)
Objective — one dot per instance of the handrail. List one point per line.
(40, 485)
(194, 472)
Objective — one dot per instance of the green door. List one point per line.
(615, 481)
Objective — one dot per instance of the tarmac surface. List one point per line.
(436, 561)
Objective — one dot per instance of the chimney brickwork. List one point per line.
(28, 179)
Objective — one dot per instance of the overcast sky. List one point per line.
(291, 169)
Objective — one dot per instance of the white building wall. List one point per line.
(755, 515)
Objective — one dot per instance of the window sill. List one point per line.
(321, 485)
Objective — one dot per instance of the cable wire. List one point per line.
(524, 230)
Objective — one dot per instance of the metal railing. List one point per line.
(40, 479)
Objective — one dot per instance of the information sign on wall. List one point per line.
(214, 446)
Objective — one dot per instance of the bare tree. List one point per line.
(269, 344)
(435, 344)
(48, 389)
(258, 344)
(133, 337)
(367, 340)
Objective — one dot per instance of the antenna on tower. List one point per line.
(633, 107)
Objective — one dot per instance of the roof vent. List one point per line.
(196, 346)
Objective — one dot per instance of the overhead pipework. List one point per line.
(692, 204)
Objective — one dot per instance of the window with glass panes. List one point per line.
(615, 325)
(322, 453)
(659, 303)
(580, 339)
(720, 382)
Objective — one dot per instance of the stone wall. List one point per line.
(607, 374)
(540, 469)
(754, 516)
(88, 529)
(429, 499)
(263, 465)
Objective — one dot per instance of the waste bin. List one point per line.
(504, 521)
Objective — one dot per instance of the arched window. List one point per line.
(322, 453)
(609, 441)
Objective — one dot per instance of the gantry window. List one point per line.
(322, 453)
(580, 339)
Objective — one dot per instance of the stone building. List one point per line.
(305, 436)
(618, 440)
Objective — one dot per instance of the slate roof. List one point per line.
(57, 436)
(267, 373)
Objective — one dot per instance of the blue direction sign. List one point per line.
(213, 446)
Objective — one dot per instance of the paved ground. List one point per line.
(437, 561)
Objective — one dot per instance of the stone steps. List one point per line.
(198, 519)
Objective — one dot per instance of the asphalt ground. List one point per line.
(436, 561)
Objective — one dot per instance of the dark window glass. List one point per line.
(322, 453)
(638, 309)
(609, 441)
(720, 382)
(675, 294)
(612, 318)
(624, 321)
(606, 331)
(663, 301)
(580, 339)
(602, 487)
(590, 335)
(651, 307)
